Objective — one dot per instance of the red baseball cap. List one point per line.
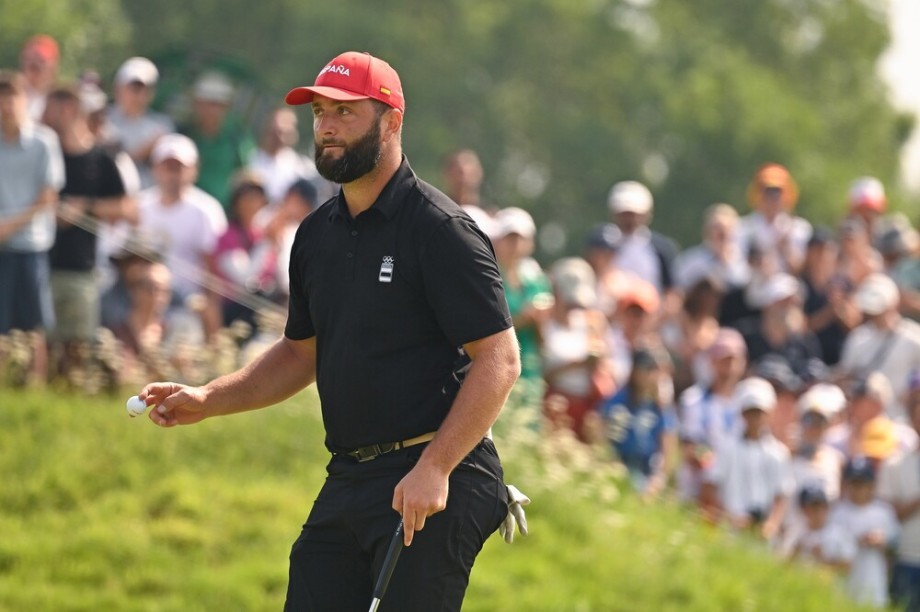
(44, 46)
(353, 76)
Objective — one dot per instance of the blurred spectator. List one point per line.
(709, 413)
(900, 248)
(129, 261)
(134, 126)
(94, 190)
(526, 287)
(899, 485)
(867, 202)
(31, 173)
(646, 253)
(772, 229)
(633, 323)
(462, 174)
(751, 476)
(782, 328)
(820, 541)
(719, 256)
(574, 366)
(600, 251)
(858, 259)
(144, 329)
(690, 332)
(275, 161)
(829, 303)
(223, 143)
(185, 219)
(244, 257)
(867, 431)
(639, 421)
(886, 342)
(815, 464)
(38, 61)
(299, 201)
(874, 526)
(787, 383)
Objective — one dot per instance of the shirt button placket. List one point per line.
(352, 249)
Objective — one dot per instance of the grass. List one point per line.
(101, 512)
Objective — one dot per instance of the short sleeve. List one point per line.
(462, 283)
(299, 324)
(54, 164)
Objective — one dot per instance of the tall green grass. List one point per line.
(100, 512)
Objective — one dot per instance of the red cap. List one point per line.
(45, 46)
(353, 76)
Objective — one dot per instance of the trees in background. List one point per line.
(562, 98)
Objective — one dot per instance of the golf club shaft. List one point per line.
(389, 564)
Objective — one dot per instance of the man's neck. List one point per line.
(11, 130)
(362, 193)
(77, 140)
(170, 198)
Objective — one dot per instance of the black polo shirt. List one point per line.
(391, 296)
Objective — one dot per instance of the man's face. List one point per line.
(172, 175)
(13, 105)
(628, 222)
(729, 368)
(59, 115)
(772, 201)
(347, 138)
(133, 97)
(39, 72)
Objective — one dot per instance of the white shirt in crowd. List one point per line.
(279, 172)
(896, 354)
(699, 262)
(824, 470)
(868, 579)
(751, 474)
(562, 345)
(637, 255)
(831, 542)
(755, 231)
(186, 230)
(709, 418)
(899, 481)
(133, 133)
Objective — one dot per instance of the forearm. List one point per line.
(10, 224)
(905, 510)
(277, 374)
(485, 390)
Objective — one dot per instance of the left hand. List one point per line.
(421, 493)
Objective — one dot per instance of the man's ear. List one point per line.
(392, 125)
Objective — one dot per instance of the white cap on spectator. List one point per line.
(877, 294)
(137, 70)
(826, 399)
(629, 196)
(574, 281)
(175, 146)
(755, 393)
(483, 220)
(514, 220)
(780, 287)
(213, 87)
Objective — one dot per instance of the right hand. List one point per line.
(174, 404)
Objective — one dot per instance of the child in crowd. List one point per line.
(874, 526)
(820, 541)
(640, 421)
(750, 480)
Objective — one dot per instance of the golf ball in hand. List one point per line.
(135, 406)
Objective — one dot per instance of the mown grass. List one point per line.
(99, 512)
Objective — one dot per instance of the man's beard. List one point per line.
(357, 159)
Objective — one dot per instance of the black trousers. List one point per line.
(336, 559)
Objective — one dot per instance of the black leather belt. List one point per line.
(366, 453)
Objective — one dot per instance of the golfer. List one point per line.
(397, 312)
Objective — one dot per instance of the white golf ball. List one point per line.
(135, 406)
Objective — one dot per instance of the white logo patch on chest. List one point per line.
(386, 270)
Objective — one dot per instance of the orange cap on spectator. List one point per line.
(773, 175)
(878, 440)
(642, 294)
(44, 46)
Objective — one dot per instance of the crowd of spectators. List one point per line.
(153, 232)
(769, 375)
